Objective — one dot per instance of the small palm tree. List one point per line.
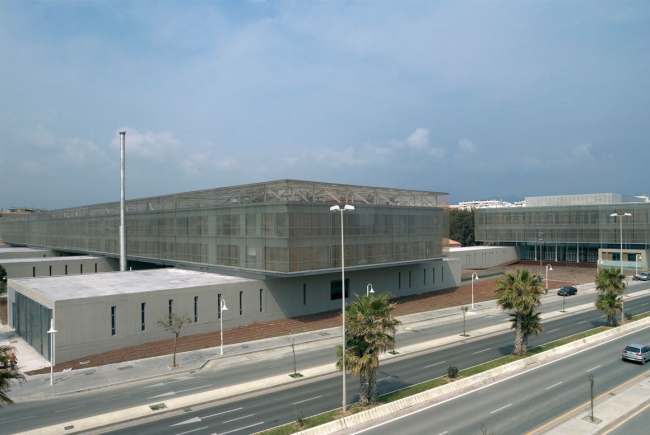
(8, 374)
(531, 324)
(609, 303)
(520, 292)
(610, 280)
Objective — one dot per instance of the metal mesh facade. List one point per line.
(284, 226)
(583, 199)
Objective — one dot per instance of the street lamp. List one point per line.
(52, 331)
(620, 220)
(474, 277)
(369, 290)
(223, 308)
(540, 236)
(346, 208)
(548, 267)
(636, 265)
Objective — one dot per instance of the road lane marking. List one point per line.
(68, 409)
(594, 368)
(554, 385)
(193, 430)
(277, 365)
(221, 413)
(553, 330)
(584, 321)
(173, 393)
(383, 379)
(481, 351)
(241, 428)
(117, 398)
(503, 407)
(431, 365)
(645, 303)
(307, 400)
(18, 419)
(238, 418)
(443, 433)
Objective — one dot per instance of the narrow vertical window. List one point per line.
(399, 280)
(304, 294)
(50, 270)
(66, 269)
(112, 320)
(433, 278)
(241, 300)
(409, 279)
(442, 274)
(261, 297)
(142, 308)
(171, 307)
(219, 306)
(196, 309)
(81, 269)
(95, 267)
(33, 272)
(424, 277)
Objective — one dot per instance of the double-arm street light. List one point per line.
(347, 207)
(369, 290)
(548, 267)
(222, 308)
(474, 277)
(620, 220)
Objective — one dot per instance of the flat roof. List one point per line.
(17, 250)
(61, 288)
(49, 259)
(474, 248)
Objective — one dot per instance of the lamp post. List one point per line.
(620, 220)
(548, 268)
(369, 290)
(52, 331)
(636, 266)
(474, 277)
(223, 308)
(347, 207)
(540, 236)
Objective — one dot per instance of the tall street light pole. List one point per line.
(474, 277)
(346, 208)
(52, 331)
(636, 265)
(369, 290)
(548, 267)
(620, 221)
(222, 308)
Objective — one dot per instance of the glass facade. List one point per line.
(282, 233)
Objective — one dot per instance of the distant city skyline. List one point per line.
(483, 100)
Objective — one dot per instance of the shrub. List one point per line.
(452, 372)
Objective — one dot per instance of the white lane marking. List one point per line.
(68, 409)
(443, 433)
(554, 385)
(191, 420)
(503, 407)
(238, 418)
(594, 368)
(193, 430)
(220, 413)
(516, 375)
(584, 321)
(173, 393)
(646, 303)
(241, 428)
(481, 351)
(307, 400)
(553, 330)
(117, 398)
(431, 365)
(383, 379)
(277, 365)
(18, 419)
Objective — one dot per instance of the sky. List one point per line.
(483, 100)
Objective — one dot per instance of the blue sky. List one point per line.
(478, 99)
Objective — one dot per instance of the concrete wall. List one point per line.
(8, 252)
(483, 257)
(58, 266)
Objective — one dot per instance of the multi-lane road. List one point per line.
(270, 408)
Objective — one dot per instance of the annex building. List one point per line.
(572, 228)
(278, 242)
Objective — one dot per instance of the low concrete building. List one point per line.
(57, 266)
(8, 252)
(484, 257)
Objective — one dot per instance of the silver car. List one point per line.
(636, 352)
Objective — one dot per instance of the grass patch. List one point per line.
(413, 389)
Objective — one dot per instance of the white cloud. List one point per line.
(466, 146)
(148, 145)
(197, 165)
(76, 150)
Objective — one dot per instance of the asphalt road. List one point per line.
(523, 403)
(303, 398)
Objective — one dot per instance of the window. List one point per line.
(66, 269)
(433, 277)
(81, 269)
(196, 309)
(142, 308)
(219, 307)
(261, 298)
(424, 277)
(399, 280)
(409, 279)
(241, 301)
(95, 267)
(50, 270)
(442, 274)
(304, 294)
(336, 291)
(171, 306)
(113, 321)
(33, 272)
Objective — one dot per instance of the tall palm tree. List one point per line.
(8, 374)
(531, 324)
(370, 331)
(520, 292)
(609, 303)
(610, 280)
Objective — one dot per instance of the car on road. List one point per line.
(636, 352)
(567, 291)
(643, 276)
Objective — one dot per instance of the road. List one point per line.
(523, 403)
(394, 375)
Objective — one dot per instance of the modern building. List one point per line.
(572, 228)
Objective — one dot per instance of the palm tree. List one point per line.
(8, 374)
(370, 331)
(520, 292)
(531, 324)
(609, 303)
(610, 280)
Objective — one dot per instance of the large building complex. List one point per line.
(572, 228)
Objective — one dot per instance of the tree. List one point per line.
(520, 292)
(531, 324)
(370, 331)
(174, 323)
(461, 226)
(8, 374)
(3, 279)
(610, 284)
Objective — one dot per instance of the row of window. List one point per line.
(170, 306)
(424, 277)
(81, 270)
